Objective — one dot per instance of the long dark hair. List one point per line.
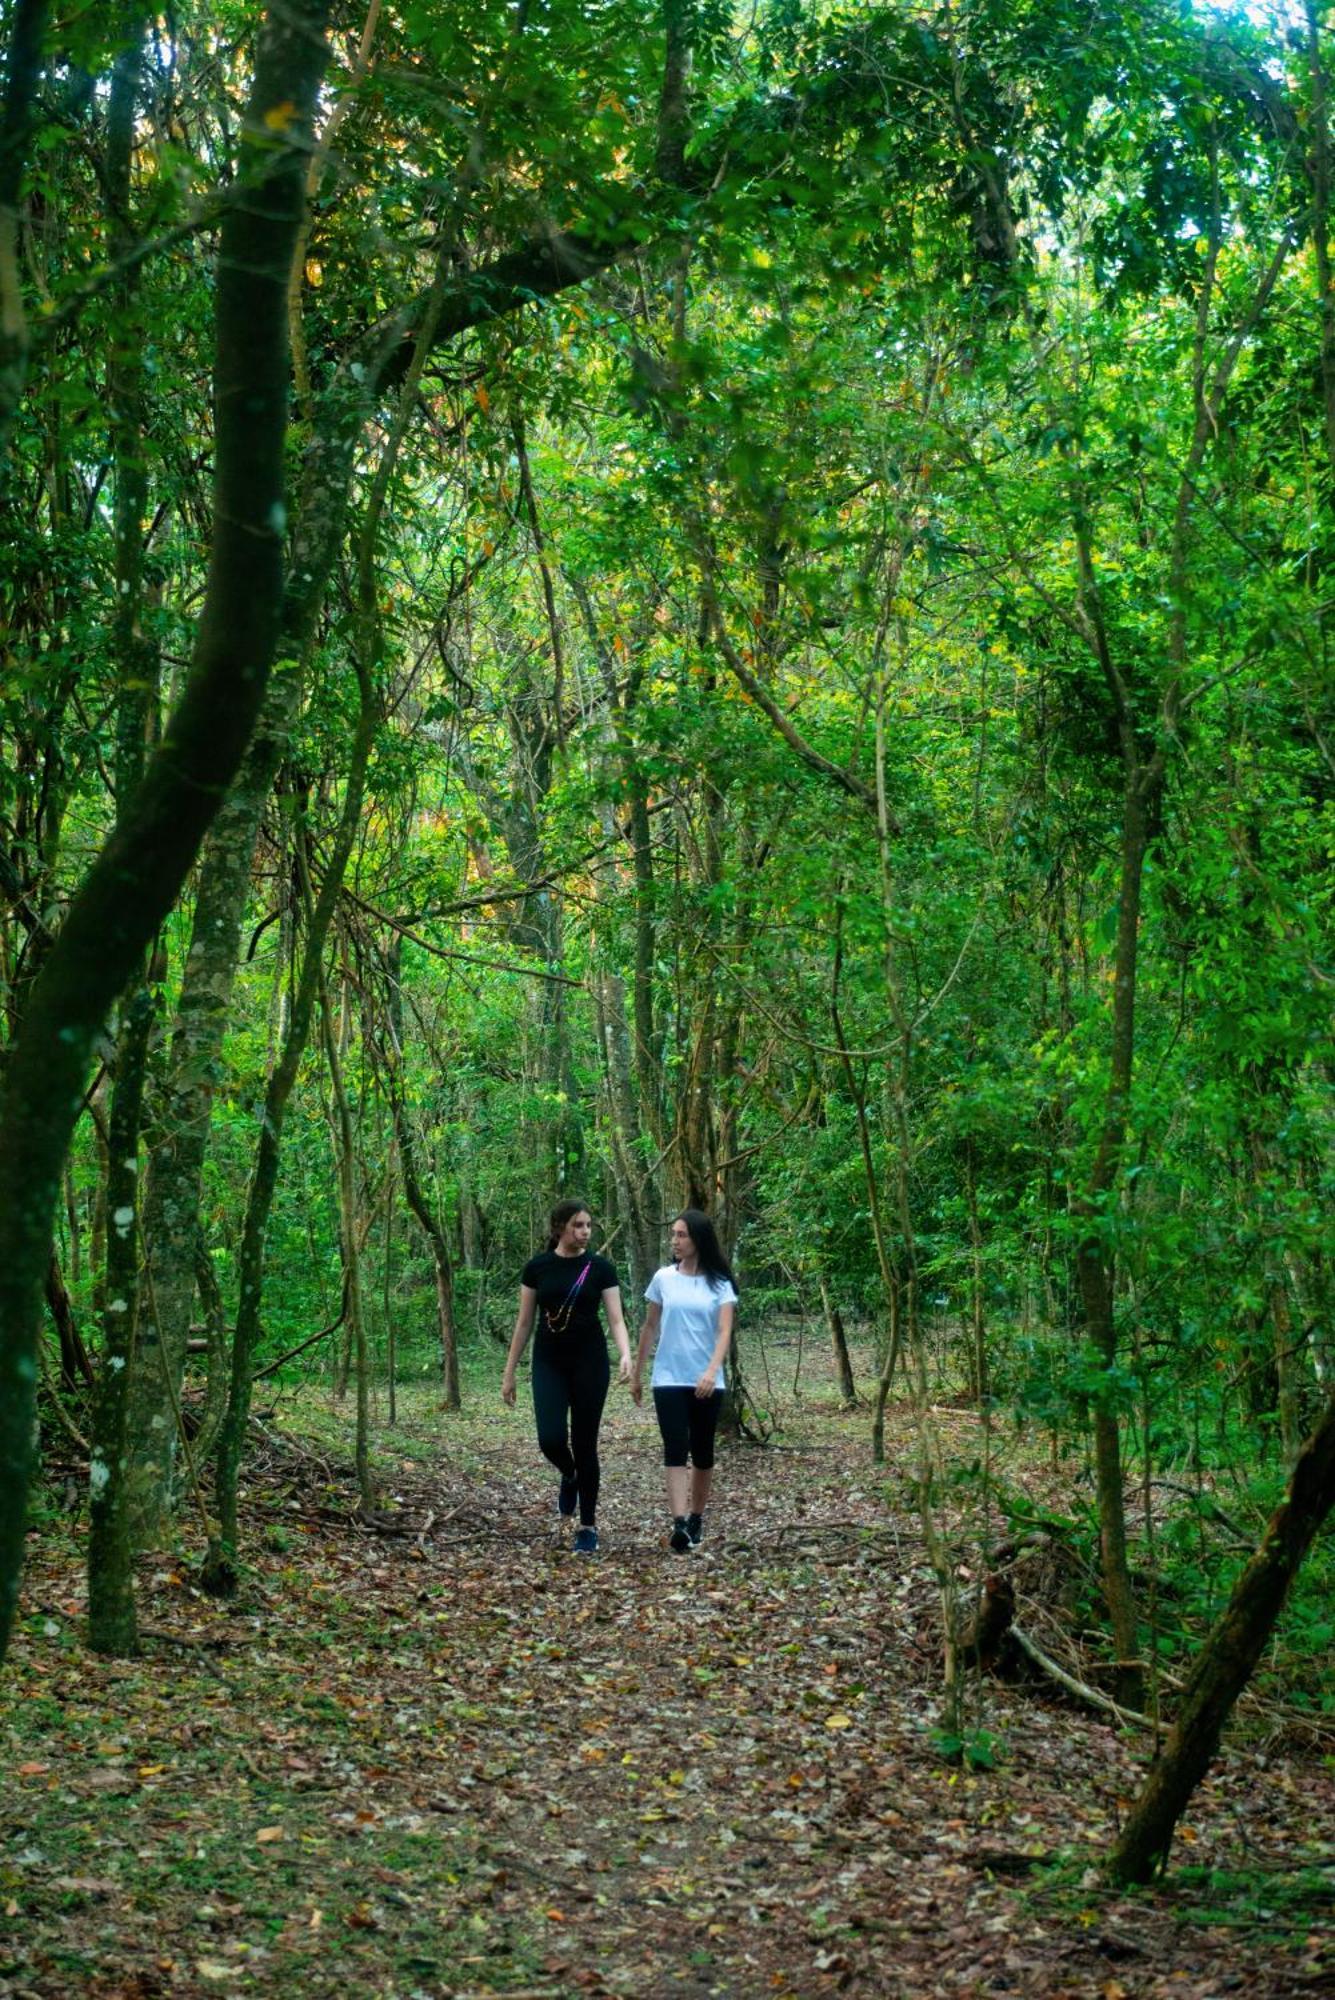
(709, 1258)
(560, 1215)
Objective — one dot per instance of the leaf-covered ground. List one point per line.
(456, 1759)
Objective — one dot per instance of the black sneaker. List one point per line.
(679, 1541)
(695, 1528)
(568, 1498)
(586, 1542)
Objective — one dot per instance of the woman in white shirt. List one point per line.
(691, 1302)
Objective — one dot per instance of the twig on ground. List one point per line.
(1080, 1689)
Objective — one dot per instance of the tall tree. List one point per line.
(139, 873)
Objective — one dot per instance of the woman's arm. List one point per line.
(528, 1300)
(709, 1380)
(616, 1319)
(653, 1313)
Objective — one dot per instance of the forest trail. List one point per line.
(459, 1760)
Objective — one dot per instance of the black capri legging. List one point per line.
(569, 1390)
(688, 1423)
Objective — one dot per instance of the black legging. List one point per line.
(688, 1423)
(569, 1389)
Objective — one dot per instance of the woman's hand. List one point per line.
(707, 1383)
(624, 1371)
(508, 1389)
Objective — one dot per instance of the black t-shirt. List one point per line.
(564, 1313)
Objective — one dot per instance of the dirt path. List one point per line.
(477, 1764)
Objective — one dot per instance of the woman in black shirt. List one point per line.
(563, 1288)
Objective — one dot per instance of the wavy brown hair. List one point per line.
(564, 1212)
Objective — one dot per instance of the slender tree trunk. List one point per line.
(441, 1263)
(893, 1343)
(22, 72)
(624, 1121)
(1320, 176)
(72, 1223)
(978, 1372)
(892, 1284)
(648, 1070)
(1095, 1269)
(76, 1370)
(621, 701)
(1289, 1374)
(99, 1105)
(612, 1118)
(694, 1151)
(406, 1141)
(215, 1330)
(1287, 1371)
(346, 1150)
(843, 1366)
(112, 1626)
(387, 1303)
(1227, 1660)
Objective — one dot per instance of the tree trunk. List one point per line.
(1318, 167)
(441, 1263)
(605, 998)
(112, 1625)
(894, 1340)
(22, 72)
(1227, 1660)
(979, 1387)
(648, 1070)
(405, 1140)
(626, 1119)
(215, 1332)
(346, 1149)
(99, 1104)
(1094, 1263)
(843, 1366)
(621, 703)
(387, 1304)
(76, 1370)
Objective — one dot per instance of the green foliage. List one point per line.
(980, 1750)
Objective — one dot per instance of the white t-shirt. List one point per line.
(689, 1326)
